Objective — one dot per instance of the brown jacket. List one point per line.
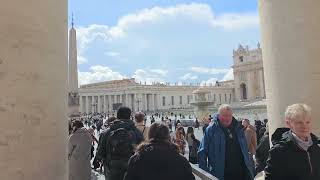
(144, 129)
(251, 137)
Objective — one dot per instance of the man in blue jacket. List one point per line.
(223, 151)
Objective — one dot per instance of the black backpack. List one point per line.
(119, 150)
(120, 143)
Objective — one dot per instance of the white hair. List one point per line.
(224, 107)
(296, 111)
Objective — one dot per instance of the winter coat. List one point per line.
(262, 152)
(80, 155)
(287, 160)
(158, 160)
(144, 130)
(251, 137)
(212, 150)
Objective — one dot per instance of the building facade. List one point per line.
(247, 86)
(248, 74)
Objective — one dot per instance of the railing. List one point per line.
(201, 174)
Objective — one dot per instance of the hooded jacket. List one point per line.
(212, 149)
(287, 160)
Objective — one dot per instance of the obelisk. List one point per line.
(73, 96)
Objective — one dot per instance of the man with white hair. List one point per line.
(297, 155)
(223, 151)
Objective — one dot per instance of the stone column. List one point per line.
(120, 98)
(92, 104)
(147, 102)
(33, 101)
(290, 48)
(127, 101)
(144, 102)
(151, 102)
(81, 104)
(87, 104)
(99, 104)
(134, 107)
(105, 105)
(154, 101)
(110, 103)
(102, 103)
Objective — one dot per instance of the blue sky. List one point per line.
(161, 40)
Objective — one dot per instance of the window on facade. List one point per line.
(180, 100)
(214, 97)
(172, 100)
(230, 98)
(163, 101)
(188, 97)
(220, 98)
(225, 97)
(241, 58)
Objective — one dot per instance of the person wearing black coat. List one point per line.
(158, 158)
(262, 152)
(297, 155)
(263, 148)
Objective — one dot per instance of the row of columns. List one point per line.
(108, 103)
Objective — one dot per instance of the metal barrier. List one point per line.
(201, 174)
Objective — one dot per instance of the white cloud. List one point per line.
(149, 77)
(205, 70)
(188, 76)
(209, 82)
(228, 75)
(201, 13)
(99, 74)
(85, 35)
(164, 38)
(161, 72)
(136, 32)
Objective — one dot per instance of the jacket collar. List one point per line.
(234, 123)
(287, 137)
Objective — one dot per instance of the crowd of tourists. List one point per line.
(124, 147)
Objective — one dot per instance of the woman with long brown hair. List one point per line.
(158, 158)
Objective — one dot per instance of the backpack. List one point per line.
(119, 150)
(119, 144)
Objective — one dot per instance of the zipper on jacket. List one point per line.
(309, 159)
